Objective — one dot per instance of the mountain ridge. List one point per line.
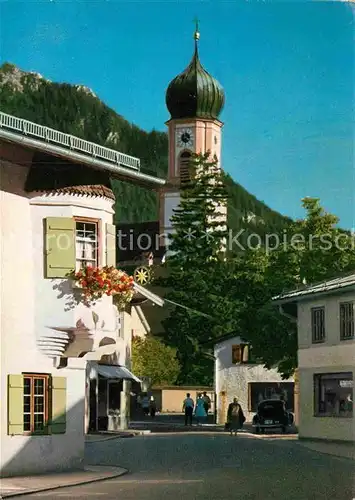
(77, 110)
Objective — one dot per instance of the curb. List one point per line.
(75, 483)
(109, 438)
(327, 453)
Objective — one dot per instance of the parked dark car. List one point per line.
(272, 414)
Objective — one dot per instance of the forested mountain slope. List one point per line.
(76, 110)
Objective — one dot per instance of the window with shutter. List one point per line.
(236, 354)
(86, 243)
(15, 404)
(60, 246)
(110, 245)
(347, 320)
(245, 353)
(59, 405)
(35, 403)
(318, 324)
(240, 353)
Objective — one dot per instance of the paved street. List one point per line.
(214, 467)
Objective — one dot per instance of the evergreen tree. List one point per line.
(194, 268)
(199, 222)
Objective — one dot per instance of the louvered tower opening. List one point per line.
(184, 168)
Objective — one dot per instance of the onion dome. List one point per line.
(195, 93)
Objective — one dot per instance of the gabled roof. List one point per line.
(223, 338)
(335, 285)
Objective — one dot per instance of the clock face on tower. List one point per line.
(184, 137)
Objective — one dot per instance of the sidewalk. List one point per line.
(162, 427)
(17, 486)
(344, 450)
(107, 435)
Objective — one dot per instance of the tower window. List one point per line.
(184, 167)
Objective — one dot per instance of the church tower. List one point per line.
(194, 100)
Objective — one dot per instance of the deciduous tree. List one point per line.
(151, 358)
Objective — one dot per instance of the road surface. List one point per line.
(214, 467)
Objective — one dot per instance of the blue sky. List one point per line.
(287, 70)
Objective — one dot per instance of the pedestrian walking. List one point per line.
(200, 412)
(206, 402)
(152, 407)
(145, 403)
(188, 408)
(235, 417)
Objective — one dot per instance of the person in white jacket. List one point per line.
(188, 408)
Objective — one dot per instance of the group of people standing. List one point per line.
(201, 408)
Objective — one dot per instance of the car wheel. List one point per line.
(283, 429)
(257, 430)
(262, 430)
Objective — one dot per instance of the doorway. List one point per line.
(114, 388)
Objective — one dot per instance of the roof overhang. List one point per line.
(114, 372)
(289, 310)
(288, 302)
(116, 171)
(298, 296)
(149, 295)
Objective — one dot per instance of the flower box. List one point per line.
(96, 282)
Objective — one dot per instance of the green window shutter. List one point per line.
(110, 245)
(60, 246)
(15, 404)
(59, 405)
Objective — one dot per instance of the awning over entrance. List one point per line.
(116, 371)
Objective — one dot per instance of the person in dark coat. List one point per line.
(152, 407)
(235, 417)
(188, 408)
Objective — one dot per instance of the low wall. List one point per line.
(170, 399)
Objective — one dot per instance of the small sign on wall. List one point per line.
(346, 383)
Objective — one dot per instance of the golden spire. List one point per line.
(197, 33)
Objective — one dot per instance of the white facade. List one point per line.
(42, 315)
(325, 317)
(235, 380)
(54, 304)
(28, 305)
(333, 356)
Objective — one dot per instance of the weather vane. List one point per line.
(196, 34)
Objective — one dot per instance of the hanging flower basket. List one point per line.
(96, 282)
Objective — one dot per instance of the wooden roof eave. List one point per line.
(116, 171)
